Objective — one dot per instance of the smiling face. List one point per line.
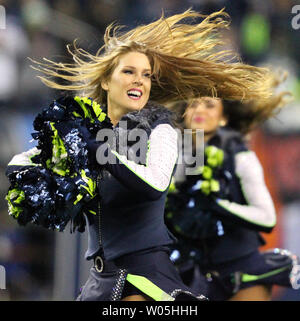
(128, 88)
(205, 113)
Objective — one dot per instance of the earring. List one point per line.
(222, 123)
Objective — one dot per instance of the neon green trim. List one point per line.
(246, 199)
(92, 212)
(137, 174)
(250, 278)
(58, 163)
(90, 188)
(241, 216)
(215, 156)
(98, 111)
(210, 150)
(214, 185)
(20, 160)
(15, 196)
(172, 186)
(86, 188)
(149, 288)
(80, 101)
(169, 215)
(78, 198)
(205, 187)
(87, 112)
(245, 152)
(177, 229)
(31, 157)
(91, 184)
(76, 114)
(148, 150)
(33, 164)
(102, 116)
(207, 172)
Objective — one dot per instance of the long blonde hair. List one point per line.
(183, 57)
(245, 116)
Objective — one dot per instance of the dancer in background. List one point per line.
(218, 212)
(126, 81)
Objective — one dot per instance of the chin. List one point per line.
(136, 107)
(197, 126)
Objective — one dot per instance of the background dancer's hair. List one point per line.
(245, 116)
(184, 59)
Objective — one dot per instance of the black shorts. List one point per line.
(150, 273)
(221, 282)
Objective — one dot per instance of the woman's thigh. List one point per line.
(135, 298)
(254, 293)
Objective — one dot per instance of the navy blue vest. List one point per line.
(129, 222)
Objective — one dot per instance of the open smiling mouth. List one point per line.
(134, 94)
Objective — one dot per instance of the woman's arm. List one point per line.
(259, 213)
(153, 178)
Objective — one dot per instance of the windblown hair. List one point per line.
(245, 116)
(184, 59)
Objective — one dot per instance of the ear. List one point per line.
(104, 85)
(223, 122)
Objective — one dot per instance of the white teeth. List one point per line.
(134, 92)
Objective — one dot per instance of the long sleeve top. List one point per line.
(248, 209)
(132, 198)
(259, 212)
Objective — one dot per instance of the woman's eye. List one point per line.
(147, 75)
(127, 71)
(194, 105)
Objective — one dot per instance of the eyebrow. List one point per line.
(135, 68)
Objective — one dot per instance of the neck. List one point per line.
(207, 137)
(115, 114)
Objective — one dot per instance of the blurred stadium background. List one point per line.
(46, 265)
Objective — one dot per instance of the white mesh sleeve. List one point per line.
(260, 209)
(161, 158)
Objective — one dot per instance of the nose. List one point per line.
(138, 80)
(200, 107)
